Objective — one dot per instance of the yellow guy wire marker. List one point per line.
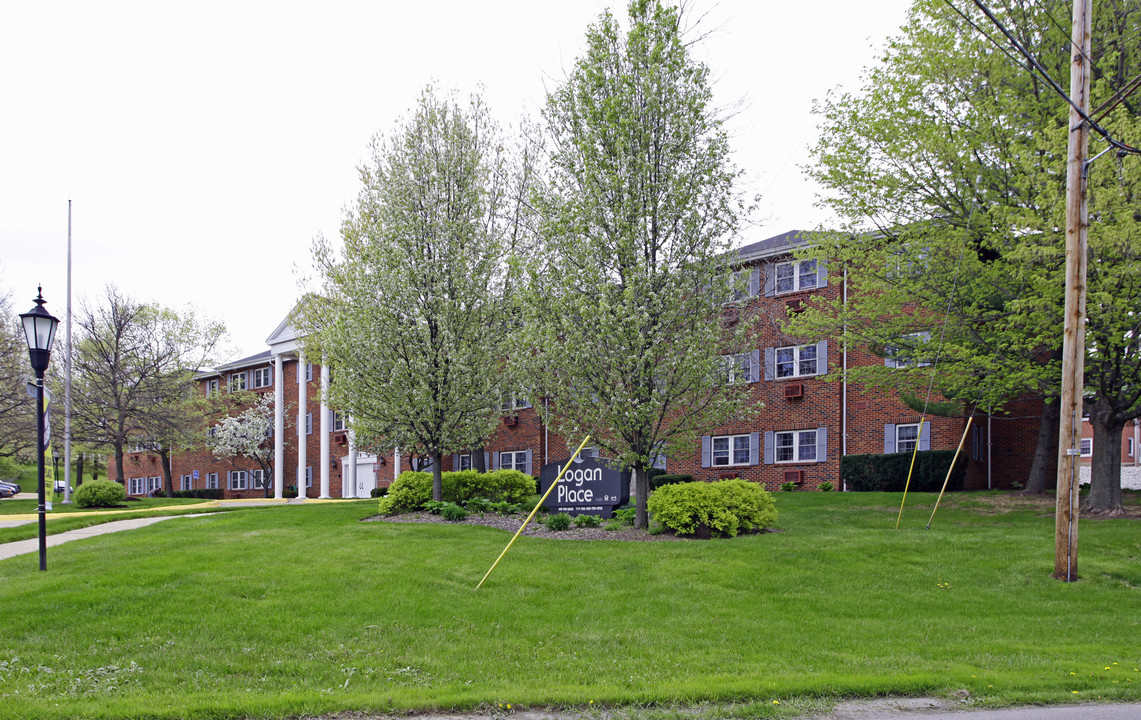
(535, 510)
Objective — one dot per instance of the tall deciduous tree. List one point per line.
(17, 409)
(248, 435)
(947, 169)
(133, 373)
(411, 314)
(623, 311)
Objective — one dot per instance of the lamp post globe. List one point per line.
(39, 329)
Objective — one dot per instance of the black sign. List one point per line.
(591, 486)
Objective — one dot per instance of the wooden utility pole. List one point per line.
(1073, 344)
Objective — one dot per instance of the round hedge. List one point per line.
(707, 509)
(100, 493)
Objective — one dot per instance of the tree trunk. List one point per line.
(477, 462)
(641, 496)
(119, 466)
(437, 477)
(1105, 466)
(1045, 464)
(79, 470)
(164, 459)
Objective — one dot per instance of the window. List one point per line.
(512, 400)
(136, 486)
(1132, 450)
(154, 483)
(186, 482)
(731, 450)
(796, 361)
(308, 372)
(211, 481)
(741, 284)
(258, 480)
(263, 377)
(237, 381)
(906, 437)
(211, 433)
(796, 446)
(211, 388)
(906, 353)
(464, 462)
(797, 275)
(340, 421)
(743, 368)
(513, 460)
(237, 479)
(1087, 447)
(308, 476)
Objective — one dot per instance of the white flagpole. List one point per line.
(67, 377)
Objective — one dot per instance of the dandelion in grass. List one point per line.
(776, 702)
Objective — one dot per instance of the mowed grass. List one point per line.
(291, 610)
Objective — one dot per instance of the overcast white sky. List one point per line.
(205, 144)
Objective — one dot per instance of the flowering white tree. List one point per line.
(622, 312)
(248, 435)
(411, 314)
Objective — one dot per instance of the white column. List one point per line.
(395, 464)
(324, 429)
(302, 406)
(352, 489)
(278, 427)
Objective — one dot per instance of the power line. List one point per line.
(1121, 147)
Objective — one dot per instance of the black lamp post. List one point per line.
(55, 469)
(39, 329)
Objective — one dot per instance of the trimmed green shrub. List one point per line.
(378, 492)
(558, 522)
(888, 473)
(713, 509)
(788, 487)
(827, 486)
(453, 512)
(461, 485)
(408, 492)
(215, 494)
(99, 493)
(657, 481)
(512, 486)
(587, 521)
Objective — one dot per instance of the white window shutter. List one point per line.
(755, 282)
(925, 437)
(486, 461)
(770, 363)
(822, 357)
(770, 448)
(706, 451)
(821, 274)
(527, 463)
(754, 366)
(754, 447)
(889, 439)
(495, 459)
(822, 444)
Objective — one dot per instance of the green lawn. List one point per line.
(13, 506)
(293, 610)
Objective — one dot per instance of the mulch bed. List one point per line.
(511, 523)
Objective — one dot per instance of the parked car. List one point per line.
(61, 486)
(8, 483)
(6, 491)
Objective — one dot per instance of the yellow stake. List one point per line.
(906, 485)
(535, 510)
(948, 478)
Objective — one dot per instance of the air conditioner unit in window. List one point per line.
(794, 305)
(793, 476)
(728, 476)
(510, 420)
(340, 437)
(794, 390)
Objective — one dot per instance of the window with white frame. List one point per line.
(795, 446)
(1087, 447)
(797, 361)
(308, 423)
(340, 421)
(211, 481)
(796, 275)
(1132, 451)
(237, 479)
(741, 284)
(136, 486)
(211, 433)
(727, 450)
(237, 381)
(906, 353)
(906, 437)
(263, 377)
(153, 484)
(516, 460)
(512, 400)
(211, 388)
(740, 368)
(308, 476)
(308, 372)
(465, 462)
(186, 482)
(258, 479)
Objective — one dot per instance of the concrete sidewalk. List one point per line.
(24, 547)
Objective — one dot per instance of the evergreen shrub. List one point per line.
(408, 492)
(663, 479)
(888, 473)
(721, 508)
(215, 494)
(100, 493)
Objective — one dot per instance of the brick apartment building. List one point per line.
(807, 425)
